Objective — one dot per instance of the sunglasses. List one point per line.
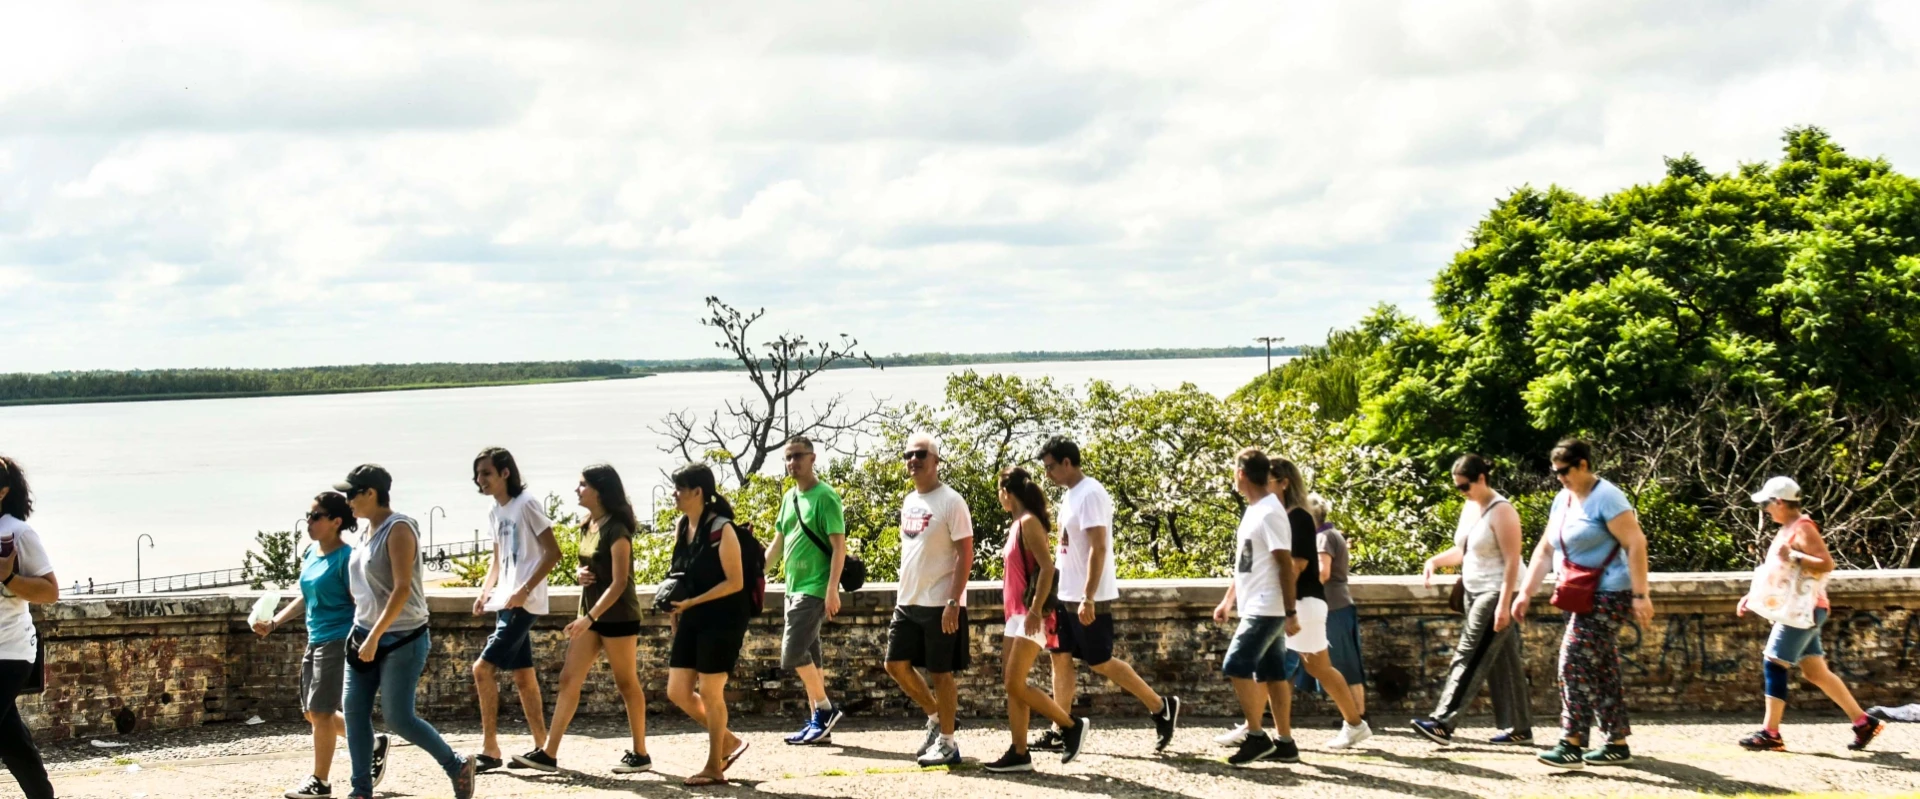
(914, 454)
(315, 515)
(1462, 487)
(1561, 471)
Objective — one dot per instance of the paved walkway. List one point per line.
(1677, 757)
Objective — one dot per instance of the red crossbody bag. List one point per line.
(1574, 591)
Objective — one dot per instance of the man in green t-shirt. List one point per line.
(811, 534)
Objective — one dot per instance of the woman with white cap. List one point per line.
(1799, 547)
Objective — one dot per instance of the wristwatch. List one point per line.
(952, 604)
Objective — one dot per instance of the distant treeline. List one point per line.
(105, 386)
(965, 358)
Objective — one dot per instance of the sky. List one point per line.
(262, 184)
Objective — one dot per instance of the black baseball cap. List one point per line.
(363, 477)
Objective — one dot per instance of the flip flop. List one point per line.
(736, 753)
(698, 780)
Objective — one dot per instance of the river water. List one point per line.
(201, 476)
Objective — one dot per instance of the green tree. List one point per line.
(275, 559)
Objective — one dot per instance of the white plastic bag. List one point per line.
(263, 608)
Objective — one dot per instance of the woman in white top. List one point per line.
(26, 575)
(1487, 549)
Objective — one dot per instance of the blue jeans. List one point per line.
(400, 675)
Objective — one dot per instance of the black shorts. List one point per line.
(705, 649)
(615, 629)
(1091, 643)
(914, 636)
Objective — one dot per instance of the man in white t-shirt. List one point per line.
(1088, 588)
(929, 627)
(516, 590)
(1263, 592)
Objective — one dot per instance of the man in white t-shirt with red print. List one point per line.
(1088, 588)
(929, 626)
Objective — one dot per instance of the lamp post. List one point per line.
(434, 510)
(1270, 341)
(136, 559)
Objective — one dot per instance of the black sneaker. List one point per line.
(1865, 732)
(313, 788)
(485, 763)
(631, 763)
(1071, 738)
(1256, 746)
(379, 765)
(1011, 762)
(1511, 737)
(1434, 731)
(1763, 741)
(1284, 751)
(1165, 722)
(1610, 755)
(537, 760)
(1049, 741)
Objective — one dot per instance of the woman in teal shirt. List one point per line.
(328, 602)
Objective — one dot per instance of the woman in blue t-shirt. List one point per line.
(1592, 525)
(328, 602)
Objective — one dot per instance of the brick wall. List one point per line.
(121, 665)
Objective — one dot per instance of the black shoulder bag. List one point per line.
(853, 573)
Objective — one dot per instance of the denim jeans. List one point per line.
(399, 674)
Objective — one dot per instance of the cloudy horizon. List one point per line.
(290, 184)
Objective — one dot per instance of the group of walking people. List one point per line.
(364, 610)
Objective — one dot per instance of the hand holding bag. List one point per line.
(1783, 592)
(1574, 591)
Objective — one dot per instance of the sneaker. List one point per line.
(1763, 741)
(1610, 755)
(485, 763)
(933, 734)
(819, 729)
(313, 788)
(631, 763)
(537, 760)
(1284, 751)
(463, 781)
(1011, 762)
(1049, 741)
(941, 753)
(1256, 746)
(1512, 737)
(1165, 722)
(1434, 731)
(379, 765)
(1071, 738)
(1232, 737)
(1864, 732)
(1350, 736)
(1563, 755)
(804, 736)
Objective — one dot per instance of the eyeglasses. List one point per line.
(1561, 471)
(914, 454)
(794, 456)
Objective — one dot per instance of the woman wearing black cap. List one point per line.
(389, 642)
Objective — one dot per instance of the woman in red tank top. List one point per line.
(1027, 590)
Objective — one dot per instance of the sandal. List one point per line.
(699, 780)
(736, 753)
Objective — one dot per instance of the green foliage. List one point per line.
(276, 559)
(1328, 376)
(965, 358)
(187, 383)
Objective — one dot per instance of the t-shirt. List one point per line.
(1306, 555)
(18, 639)
(328, 593)
(596, 546)
(517, 526)
(808, 567)
(1256, 577)
(929, 524)
(1335, 546)
(1583, 527)
(1086, 504)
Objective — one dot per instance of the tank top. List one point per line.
(1483, 568)
(1785, 539)
(1018, 570)
(370, 576)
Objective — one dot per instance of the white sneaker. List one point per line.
(933, 736)
(1350, 735)
(1232, 737)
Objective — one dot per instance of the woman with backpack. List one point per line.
(710, 622)
(1601, 556)
(1486, 548)
(1800, 548)
(608, 624)
(1028, 591)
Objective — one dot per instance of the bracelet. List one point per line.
(1639, 596)
(8, 580)
(592, 618)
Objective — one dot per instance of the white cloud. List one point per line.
(269, 184)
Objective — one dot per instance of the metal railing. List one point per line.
(174, 582)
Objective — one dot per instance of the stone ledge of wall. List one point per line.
(164, 661)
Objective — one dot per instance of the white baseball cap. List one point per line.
(1781, 487)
